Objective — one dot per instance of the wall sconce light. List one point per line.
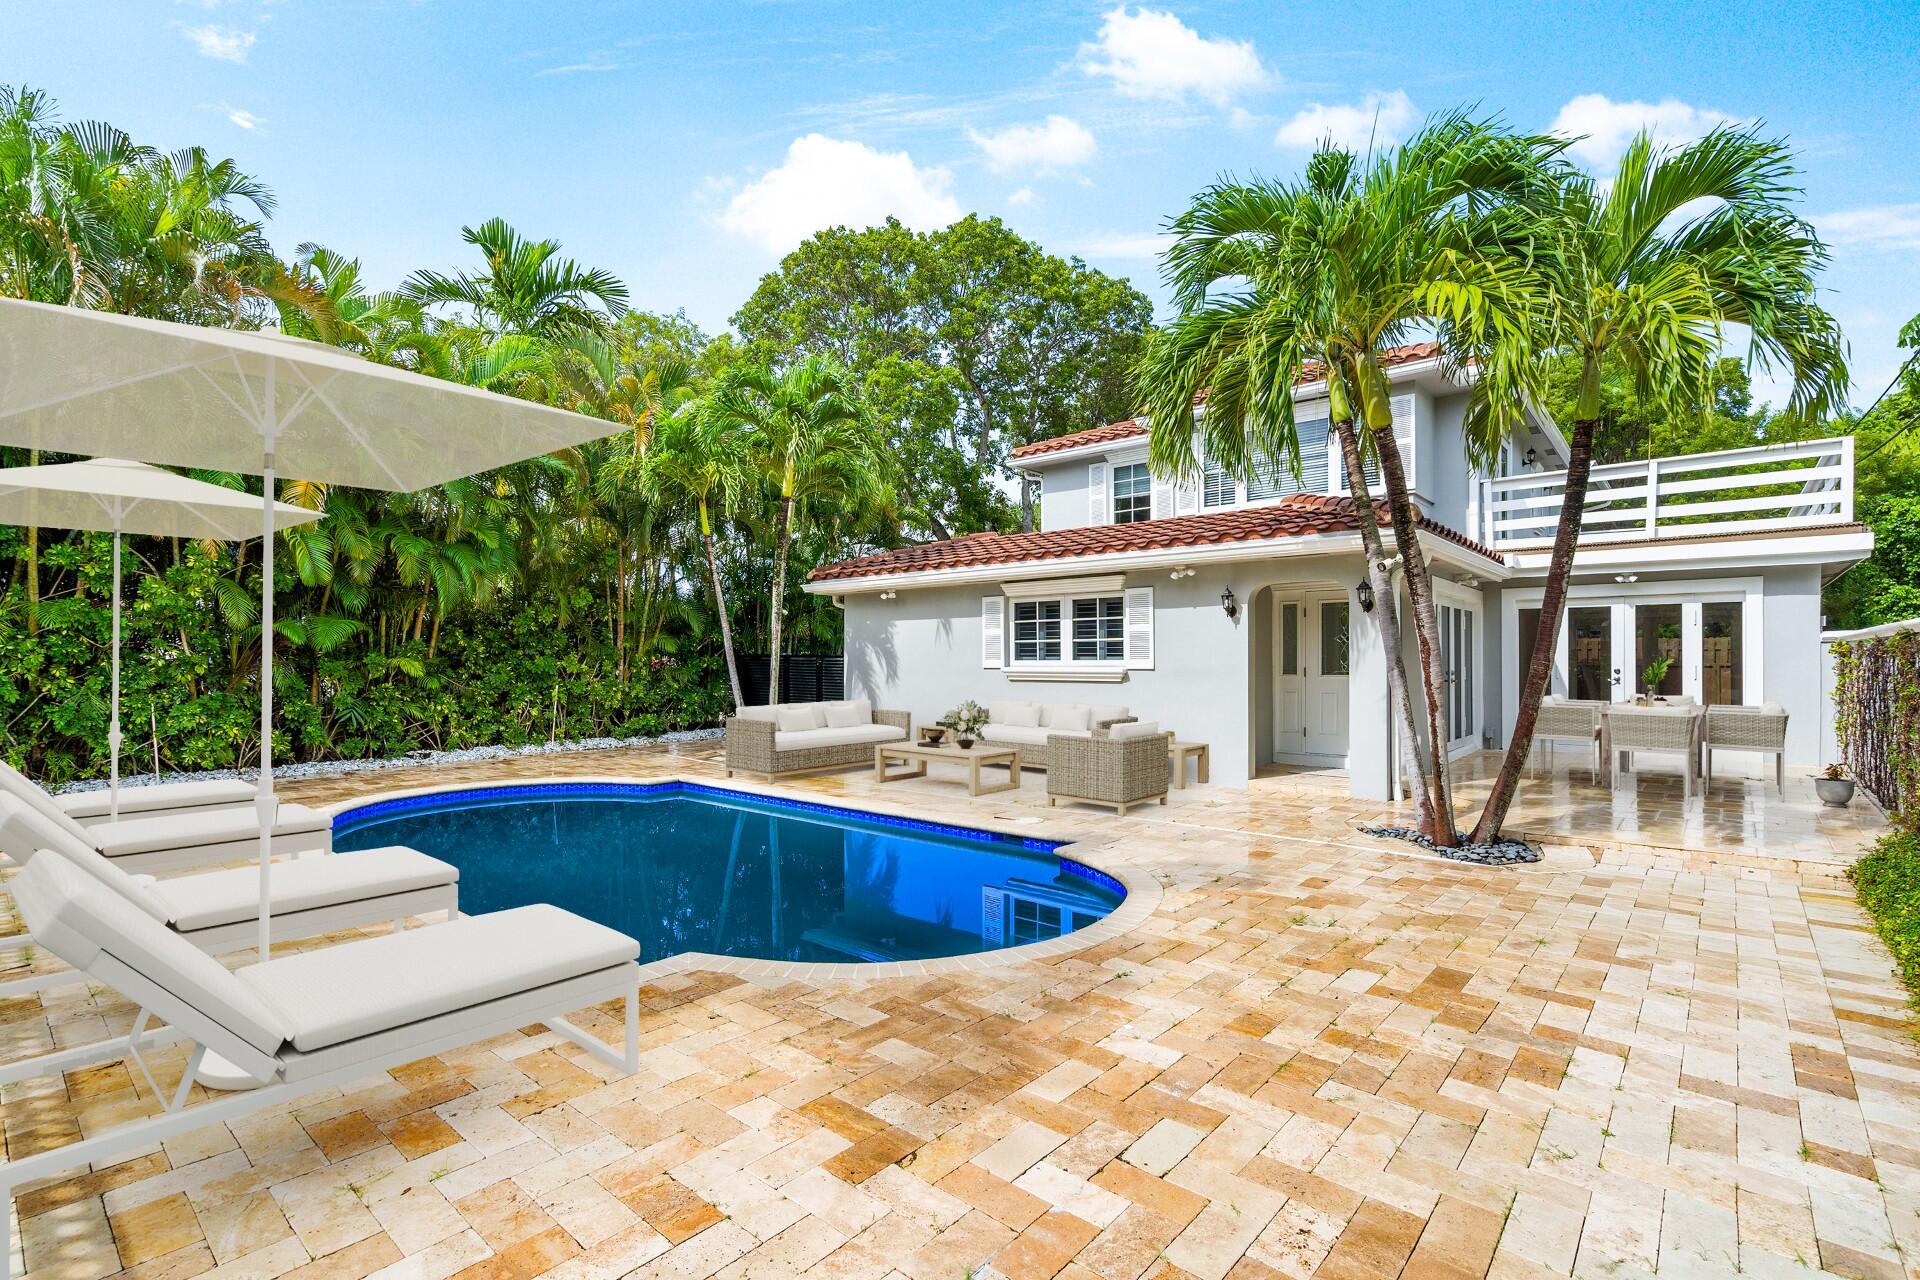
(1365, 593)
(1532, 456)
(1231, 605)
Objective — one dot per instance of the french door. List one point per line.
(1621, 650)
(1311, 661)
(1459, 658)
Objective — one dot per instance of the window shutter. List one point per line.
(1186, 497)
(1162, 498)
(993, 631)
(1097, 493)
(1403, 436)
(1140, 627)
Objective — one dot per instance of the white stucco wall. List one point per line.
(1792, 656)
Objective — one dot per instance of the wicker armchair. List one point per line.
(1670, 730)
(1569, 721)
(1102, 769)
(753, 745)
(1760, 729)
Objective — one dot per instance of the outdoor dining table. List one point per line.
(1674, 729)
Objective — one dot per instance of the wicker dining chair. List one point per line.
(1672, 731)
(1568, 720)
(1760, 729)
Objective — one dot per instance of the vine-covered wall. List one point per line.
(1877, 718)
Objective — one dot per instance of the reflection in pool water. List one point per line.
(686, 867)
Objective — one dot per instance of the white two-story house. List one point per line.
(1231, 609)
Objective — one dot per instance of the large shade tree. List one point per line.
(1643, 274)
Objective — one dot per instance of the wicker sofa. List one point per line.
(802, 736)
(1121, 766)
(1031, 726)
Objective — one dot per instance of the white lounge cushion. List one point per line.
(755, 713)
(845, 715)
(78, 919)
(794, 719)
(16, 783)
(1067, 716)
(1010, 712)
(190, 828)
(1134, 729)
(214, 898)
(167, 795)
(25, 832)
(375, 984)
(804, 739)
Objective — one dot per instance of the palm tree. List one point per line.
(526, 287)
(696, 458)
(1280, 282)
(1626, 271)
(808, 434)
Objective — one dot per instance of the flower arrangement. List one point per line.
(965, 721)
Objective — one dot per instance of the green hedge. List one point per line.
(1887, 882)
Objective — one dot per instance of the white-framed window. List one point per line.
(1036, 630)
(1132, 493)
(1100, 629)
(1217, 486)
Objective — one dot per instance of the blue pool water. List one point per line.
(685, 867)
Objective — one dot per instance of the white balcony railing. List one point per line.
(1770, 486)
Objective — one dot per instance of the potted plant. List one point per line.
(965, 721)
(1654, 676)
(1834, 787)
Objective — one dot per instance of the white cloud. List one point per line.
(223, 44)
(1059, 143)
(593, 63)
(1609, 126)
(244, 118)
(1376, 120)
(1886, 226)
(1021, 198)
(1151, 54)
(1124, 245)
(827, 182)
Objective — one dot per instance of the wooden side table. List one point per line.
(1180, 752)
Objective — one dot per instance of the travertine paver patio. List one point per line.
(1315, 1057)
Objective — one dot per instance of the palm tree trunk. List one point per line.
(1426, 630)
(1388, 618)
(782, 532)
(1553, 602)
(720, 607)
(33, 563)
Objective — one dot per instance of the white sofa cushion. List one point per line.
(214, 898)
(845, 715)
(1069, 715)
(764, 714)
(78, 918)
(25, 831)
(375, 984)
(167, 795)
(804, 739)
(1101, 713)
(194, 827)
(1019, 735)
(1134, 729)
(805, 715)
(1011, 712)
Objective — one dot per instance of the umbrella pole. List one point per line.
(113, 730)
(264, 801)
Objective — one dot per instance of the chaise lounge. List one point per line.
(1030, 725)
(172, 841)
(321, 1019)
(89, 807)
(799, 737)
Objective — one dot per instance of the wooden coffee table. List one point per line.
(919, 754)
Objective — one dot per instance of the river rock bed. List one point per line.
(1492, 853)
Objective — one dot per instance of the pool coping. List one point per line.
(1143, 898)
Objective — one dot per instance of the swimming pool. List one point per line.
(687, 867)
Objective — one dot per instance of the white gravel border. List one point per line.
(335, 768)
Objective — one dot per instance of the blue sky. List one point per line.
(686, 146)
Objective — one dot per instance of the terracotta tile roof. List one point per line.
(1297, 516)
(1131, 427)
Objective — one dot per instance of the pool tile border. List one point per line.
(1142, 900)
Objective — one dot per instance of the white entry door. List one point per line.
(1459, 666)
(1310, 677)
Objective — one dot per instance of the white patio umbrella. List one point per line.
(112, 495)
(92, 382)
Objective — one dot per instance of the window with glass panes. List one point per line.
(1099, 629)
(1036, 631)
(1132, 493)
